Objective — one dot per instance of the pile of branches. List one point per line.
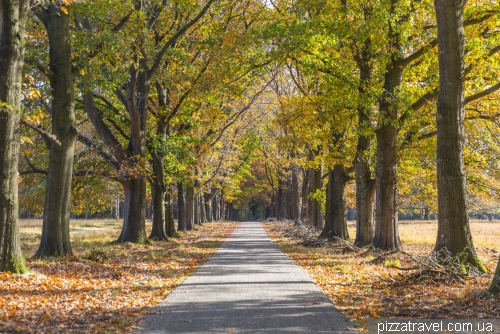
(334, 245)
(297, 231)
(308, 235)
(433, 269)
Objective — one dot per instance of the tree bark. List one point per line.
(189, 208)
(55, 239)
(208, 207)
(201, 204)
(454, 239)
(386, 222)
(386, 214)
(169, 212)
(317, 215)
(495, 282)
(304, 212)
(181, 221)
(295, 200)
(335, 215)
(134, 211)
(280, 200)
(310, 190)
(158, 229)
(12, 24)
(365, 184)
(365, 196)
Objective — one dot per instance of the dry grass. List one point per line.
(485, 234)
(363, 290)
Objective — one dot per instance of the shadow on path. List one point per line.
(247, 286)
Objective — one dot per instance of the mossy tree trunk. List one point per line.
(12, 23)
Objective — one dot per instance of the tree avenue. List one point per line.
(184, 113)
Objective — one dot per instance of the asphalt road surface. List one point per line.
(247, 286)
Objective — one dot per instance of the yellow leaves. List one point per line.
(64, 10)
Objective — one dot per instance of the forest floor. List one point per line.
(105, 287)
(365, 285)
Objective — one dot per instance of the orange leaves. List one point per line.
(88, 297)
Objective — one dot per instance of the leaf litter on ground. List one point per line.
(106, 288)
(365, 284)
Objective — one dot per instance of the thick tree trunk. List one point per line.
(335, 216)
(386, 222)
(158, 230)
(279, 201)
(55, 239)
(317, 216)
(427, 215)
(196, 210)
(12, 22)
(295, 195)
(169, 212)
(495, 282)
(386, 219)
(181, 221)
(208, 207)
(310, 190)
(202, 208)
(189, 208)
(222, 214)
(365, 196)
(134, 224)
(304, 212)
(454, 239)
(365, 184)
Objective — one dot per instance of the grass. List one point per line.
(415, 232)
(105, 287)
(363, 290)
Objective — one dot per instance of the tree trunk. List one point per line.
(304, 212)
(169, 212)
(208, 207)
(279, 201)
(427, 215)
(181, 221)
(495, 282)
(365, 196)
(201, 204)
(454, 239)
(196, 211)
(55, 239)
(386, 213)
(335, 216)
(295, 200)
(134, 211)
(317, 216)
(158, 230)
(189, 208)
(386, 222)
(12, 23)
(365, 184)
(310, 190)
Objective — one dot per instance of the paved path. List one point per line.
(247, 286)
